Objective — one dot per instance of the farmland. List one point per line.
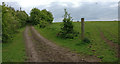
(97, 46)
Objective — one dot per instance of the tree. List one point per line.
(35, 16)
(67, 30)
(41, 18)
(47, 16)
(11, 22)
(23, 17)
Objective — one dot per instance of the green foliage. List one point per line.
(43, 17)
(22, 15)
(14, 51)
(86, 40)
(0, 23)
(11, 21)
(35, 16)
(43, 24)
(47, 16)
(67, 29)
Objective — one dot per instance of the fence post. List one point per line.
(82, 28)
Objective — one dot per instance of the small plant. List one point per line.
(101, 57)
(86, 40)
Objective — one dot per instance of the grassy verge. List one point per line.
(14, 51)
(101, 49)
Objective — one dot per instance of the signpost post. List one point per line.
(82, 28)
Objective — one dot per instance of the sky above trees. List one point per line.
(89, 9)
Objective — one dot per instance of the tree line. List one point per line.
(12, 20)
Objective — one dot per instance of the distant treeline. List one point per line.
(11, 21)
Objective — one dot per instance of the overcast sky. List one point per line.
(89, 9)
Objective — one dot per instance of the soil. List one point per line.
(39, 49)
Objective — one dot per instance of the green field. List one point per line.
(92, 31)
(14, 51)
(110, 30)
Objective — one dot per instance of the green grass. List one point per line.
(110, 30)
(14, 51)
(92, 32)
(0, 52)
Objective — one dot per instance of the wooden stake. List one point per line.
(82, 28)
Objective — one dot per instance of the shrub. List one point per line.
(67, 30)
(101, 57)
(86, 40)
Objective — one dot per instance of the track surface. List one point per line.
(39, 49)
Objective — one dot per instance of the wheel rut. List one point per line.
(39, 49)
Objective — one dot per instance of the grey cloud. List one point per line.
(88, 10)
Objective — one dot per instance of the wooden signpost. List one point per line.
(82, 28)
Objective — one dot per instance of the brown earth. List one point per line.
(39, 49)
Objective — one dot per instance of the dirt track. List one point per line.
(40, 49)
(114, 46)
(110, 43)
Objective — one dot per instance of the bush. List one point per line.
(86, 40)
(67, 30)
